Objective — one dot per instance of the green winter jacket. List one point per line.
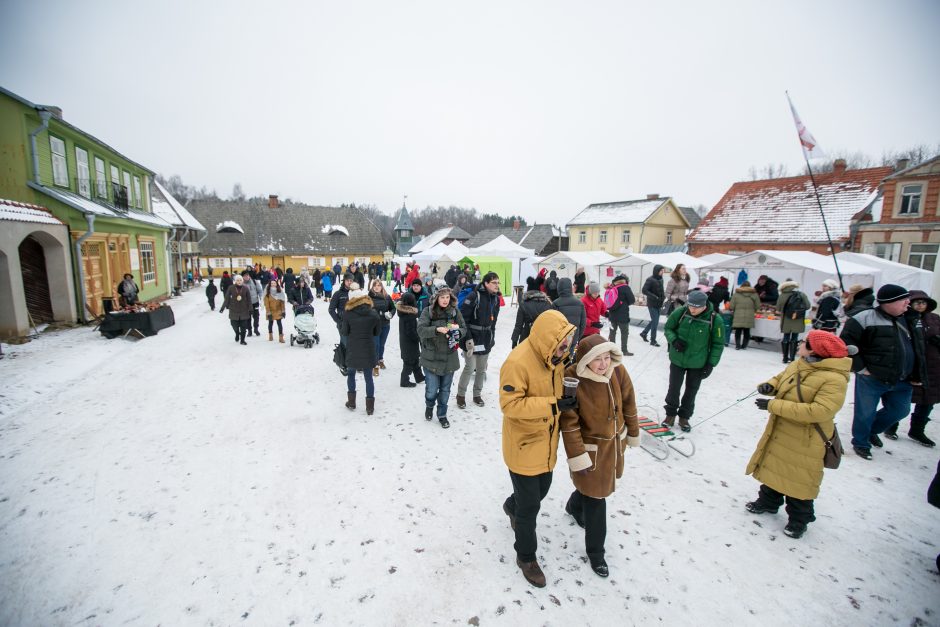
(787, 323)
(436, 356)
(744, 304)
(704, 336)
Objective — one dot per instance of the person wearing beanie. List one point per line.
(890, 362)
(238, 302)
(655, 301)
(696, 336)
(531, 398)
(224, 283)
(719, 294)
(792, 305)
(788, 461)
(408, 341)
(594, 308)
(828, 305)
(360, 325)
(571, 308)
(604, 421)
(618, 299)
(856, 299)
(924, 396)
(534, 302)
(441, 327)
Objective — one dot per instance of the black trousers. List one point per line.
(211, 302)
(737, 337)
(256, 317)
(240, 327)
(409, 367)
(524, 503)
(280, 326)
(593, 513)
(799, 510)
(693, 379)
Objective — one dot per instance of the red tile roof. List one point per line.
(785, 210)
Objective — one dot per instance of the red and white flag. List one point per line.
(811, 149)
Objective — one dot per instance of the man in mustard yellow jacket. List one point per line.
(531, 398)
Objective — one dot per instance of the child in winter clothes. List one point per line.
(788, 461)
(275, 305)
(211, 291)
(596, 433)
(408, 340)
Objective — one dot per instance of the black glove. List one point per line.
(567, 402)
(680, 345)
(597, 325)
(762, 403)
(222, 310)
(766, 389)
(707, 371)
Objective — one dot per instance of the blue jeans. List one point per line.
(653, 323)
(437, 388)
(367, 374)
(895, 405)
(380, 341)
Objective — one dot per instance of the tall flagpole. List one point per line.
(808, 143)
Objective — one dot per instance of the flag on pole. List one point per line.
(811, 149)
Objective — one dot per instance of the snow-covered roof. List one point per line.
(25, 212)
(334, 228)
(785, 210)
(86, 205)
(168, 208)
(624, 212)
(228, 225)
(438, 236)
(505, 247)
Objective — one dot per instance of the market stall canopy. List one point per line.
(808, 268)
(565, 263)
(444, 255)
(715, 257)
(520, 257)
(492, 263)
(892, 272)
(638, 266)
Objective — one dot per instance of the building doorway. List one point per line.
(94, 282)
(35, 281)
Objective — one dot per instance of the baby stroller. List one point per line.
(306, 327)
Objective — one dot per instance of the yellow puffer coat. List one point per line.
(529, 388)
(789, 456)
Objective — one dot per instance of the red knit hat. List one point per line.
(826, 344)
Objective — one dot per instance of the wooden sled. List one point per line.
(658, 440)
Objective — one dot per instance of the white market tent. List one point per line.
(444, 255)
(713, 257)
(892, 272)
(638, 266)
(520, 257)
(809, 269)
(565, 263)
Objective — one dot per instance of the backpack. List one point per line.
(796, 304)
(611, 296)
(462, 296)
(552, 284)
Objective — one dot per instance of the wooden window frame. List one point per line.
(101, 178)
(61, 158)
(82, 183)
(141, 241)
(903, 196)
(137, 193)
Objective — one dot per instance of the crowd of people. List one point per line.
(566, 382)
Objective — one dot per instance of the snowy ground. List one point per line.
(187, 480)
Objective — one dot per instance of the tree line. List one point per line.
(854, 160)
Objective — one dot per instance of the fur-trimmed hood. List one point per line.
(746, 289)
(535, 295)
(789, 285)
(352, 303)
(589, 349)
(406, 309)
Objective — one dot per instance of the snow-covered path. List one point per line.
(187, 480)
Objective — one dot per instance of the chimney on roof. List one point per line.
(652, 196)
(902, 164)
(272, 201)
(516, 225)
(838, 166)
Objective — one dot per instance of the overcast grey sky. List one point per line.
(538, 108)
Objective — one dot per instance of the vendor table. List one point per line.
(144, 323)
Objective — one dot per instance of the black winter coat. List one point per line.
(408, 340)
(338, 302)
(480, 309)
(571, 308)
(862, 300)
(826, 308)
(579, 280)
(383, 304)
(211, 290)
(360, 325)
(533, 303)
(929, 393)
(768, 292)
(653, 289)
(225, 283)
(718, 295)
(878, 337)
(619, 312)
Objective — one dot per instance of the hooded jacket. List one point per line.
(571, 308)
(597, 433)
(480, 310)
(703, 335)
(619, 312)
(861, 300)
(789, 455)
(211, 290)
(383, 303)
(360, 324)
(530, 384)
(827, 307)
(768, 292)
(338, 302)
(653, 289)
(532, 305)
(594, 308)
(436, 354)
(929, 392)
(744, 303)
(408, 340)
(789, 289)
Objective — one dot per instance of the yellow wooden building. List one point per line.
(283, 235)
(628, 226)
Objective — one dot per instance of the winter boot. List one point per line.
(444, 423)
(280, 338)
(892, 432)
(785, 349)
(570, 511)
(419, 376)
(370, 405)
(794, 529)
(643, 336)
(532, 573)
(875, 441)
(461, 402)
(684, 425)
(270, 337)
(428, 413)
(916, 432)
(350, 400)
(669, 422)
(512, 517)
(599, 566)
(375, 371)
(478, 401)
(382, 364)
(406, 382)
(756, 507)
(793, 347)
